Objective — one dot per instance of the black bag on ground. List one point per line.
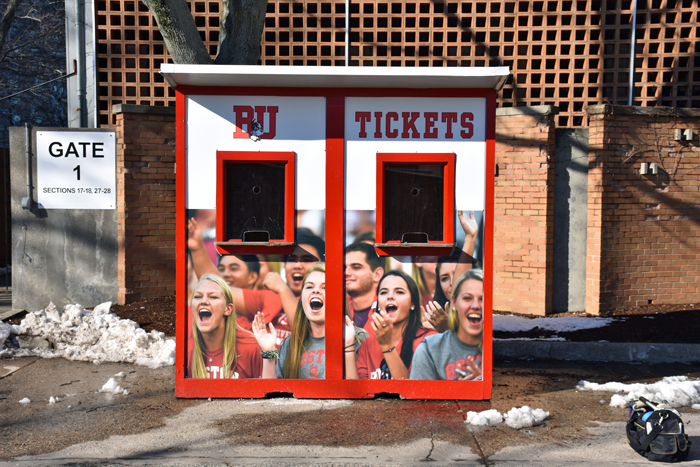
(656, 432)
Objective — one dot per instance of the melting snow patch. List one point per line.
(25, 401)
(5, 331)
(524, 417)
(485, 418)
(95, 336)
(515, 418)
(618, 401)
(53, 400)
(113, 387)
(512, 323)
(678, 391)
(695, 406)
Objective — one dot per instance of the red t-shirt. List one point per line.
(370, 359)
(269, 303)
(248, 358)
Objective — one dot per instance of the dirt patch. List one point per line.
(154, 313)
(394, 422)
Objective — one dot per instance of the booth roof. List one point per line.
(334, 77)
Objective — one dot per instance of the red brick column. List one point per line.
(643, 243)
(523, 232)
(145, 201)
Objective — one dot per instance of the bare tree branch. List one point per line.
(177, 26)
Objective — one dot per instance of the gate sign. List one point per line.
(76, 170)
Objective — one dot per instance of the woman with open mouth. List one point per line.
(302, 354)
(456, 354)
(397, 330)
(220, 349)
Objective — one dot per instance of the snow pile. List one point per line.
(5, 331)
(512, 323)
(515, 418)
(485, 418)
(25, 401)
(113, 387)
(524, 417)
(678, 391)
(95, 336)
(53, 400)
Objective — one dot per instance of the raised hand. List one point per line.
(469, 224)
(267, 340)
(383, 328)
(274, 282)
(349, 332)
(195, 239)
(436, 316)
(473, 371)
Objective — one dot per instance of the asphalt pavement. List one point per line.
(149, 426)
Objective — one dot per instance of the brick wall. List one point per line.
(145, 201)
(523, 233)
(643, 230)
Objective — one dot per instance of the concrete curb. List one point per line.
(626, 352)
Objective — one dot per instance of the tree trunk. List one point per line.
(240, 32)
(6, 20)
(177, 26)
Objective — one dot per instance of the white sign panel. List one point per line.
(230, 123)
(420, 125)
(76, 170)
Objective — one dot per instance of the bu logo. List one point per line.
(252, 122)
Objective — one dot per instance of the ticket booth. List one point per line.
(282, 172)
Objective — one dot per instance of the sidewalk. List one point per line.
(151, 427)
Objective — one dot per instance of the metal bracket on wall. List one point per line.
(28, 203)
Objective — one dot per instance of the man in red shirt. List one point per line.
(363, 271)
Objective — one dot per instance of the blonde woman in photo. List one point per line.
(219, 349)
(456, 354)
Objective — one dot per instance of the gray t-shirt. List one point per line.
(437, 357)
(313, 359)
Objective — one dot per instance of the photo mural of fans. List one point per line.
(248, 289)
(423, 315)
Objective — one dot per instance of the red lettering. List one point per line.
(313, 372)
(389, 117)
(307, 358)
(449, 118)
(242, 120)
(320, 354)
(272, 131)
(363, 117)
(468, 131)
(460, 364)
(450, 371)
(378, 124)
(430, 130)
(409, 123)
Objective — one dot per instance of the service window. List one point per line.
(415, 203)
(265, 221)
